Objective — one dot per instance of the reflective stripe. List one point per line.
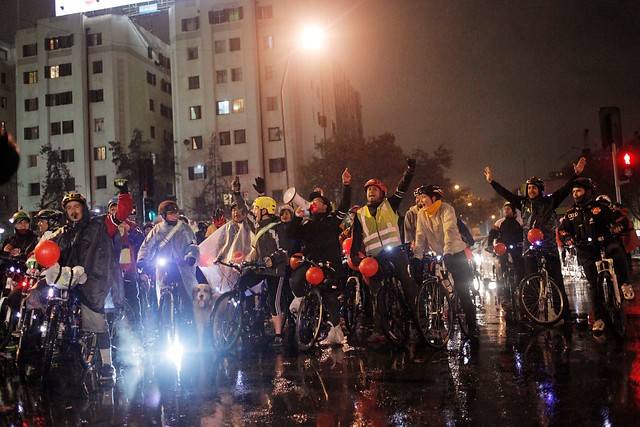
(379, 231)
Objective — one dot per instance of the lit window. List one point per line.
(196, 142)
(100, 153)
(238, 105)
(195, 112)
(223, 108)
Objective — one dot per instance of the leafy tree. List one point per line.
(58, 180)
(216, 185)
(132, 162)
(377, 157)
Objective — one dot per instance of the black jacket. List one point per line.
(25, 242)
(539, 212)
(320, 234)
(582, 222)
(89, 245)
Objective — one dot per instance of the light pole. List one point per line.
(311, 39)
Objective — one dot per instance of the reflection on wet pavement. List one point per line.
(517, 374)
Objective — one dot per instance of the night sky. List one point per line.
(510, 84)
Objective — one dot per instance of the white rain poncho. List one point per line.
(231, 243)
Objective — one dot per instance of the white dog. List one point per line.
(203, 300)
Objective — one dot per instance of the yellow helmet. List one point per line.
(267, 203)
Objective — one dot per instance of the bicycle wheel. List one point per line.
(167, 317)
(349, 309)
(226, 320)
(511, 297)
(8, 321)
(50, 339)
(435, 315)
(310, 315)
(616, 318)
(541, 301)
(391, 314)
(30, 335)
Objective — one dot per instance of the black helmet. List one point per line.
(534, 180)
(430, 190)
(166, 206)
(585, 183)
(74, 197)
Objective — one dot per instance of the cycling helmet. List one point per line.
(429, 190)
(354, 209)
(167, 206)
(264, 202)
(585, 183)
(74, 197)
(603, 198)
(537, 182)
(49, 214)
(19, 216)
(376, 183)
(112, 202)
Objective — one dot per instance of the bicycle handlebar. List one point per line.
(242, 266)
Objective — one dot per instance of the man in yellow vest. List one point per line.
(375, 228)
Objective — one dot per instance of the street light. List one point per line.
(311, 38)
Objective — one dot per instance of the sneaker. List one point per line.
(598, 326)
(627, 292)
(335, 337)
(107, 374)
(277, 341)
(294, 306)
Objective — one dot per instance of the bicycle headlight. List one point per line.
(161, 262)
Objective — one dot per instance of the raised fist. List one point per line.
(122, 185)
(235, 185)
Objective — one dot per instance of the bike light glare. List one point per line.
(18, 315)
(389, 248)
(477, 258)
(50, 293)
(162, 262)
(12, 269)
(43, 328)
(589, 239)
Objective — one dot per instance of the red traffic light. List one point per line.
(626, 159)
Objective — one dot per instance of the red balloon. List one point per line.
(314, 275)
(47, 253)
(368, 267)
(500, 249)
(295, 260)
(346, 245)
(535, 235)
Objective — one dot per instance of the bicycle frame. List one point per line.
(605, 266)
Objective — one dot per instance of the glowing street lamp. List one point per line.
(311, 38)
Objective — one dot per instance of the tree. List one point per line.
(377, 157)
(133, 163)
(58, 179)
(216, 186)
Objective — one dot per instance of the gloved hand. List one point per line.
(190, 260)
(235, 185)
(411, 164)
(122, 185)
(259, 186)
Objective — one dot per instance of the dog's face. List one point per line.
(202, 295)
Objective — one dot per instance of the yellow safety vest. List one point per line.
(379, 231)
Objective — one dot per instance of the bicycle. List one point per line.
(397, 320)
(61, 334)
(355, 302)
(228, 317)
(539, 295)
(172, 312)
(311, 322)
(510, 302)
(444, 305)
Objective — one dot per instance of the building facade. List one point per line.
(248, 101)
(8, 192)
(85, 83)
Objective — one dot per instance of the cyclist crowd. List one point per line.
(118, 257)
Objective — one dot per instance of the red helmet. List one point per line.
(376, 183)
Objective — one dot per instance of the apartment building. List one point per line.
(84, 82)
(8, 192)
(247, 100)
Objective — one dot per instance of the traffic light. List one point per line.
(626, 164)
(149, 209)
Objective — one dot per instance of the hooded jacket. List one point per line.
(94, 243)
(584, 221)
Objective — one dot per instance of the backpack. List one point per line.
(466, 235)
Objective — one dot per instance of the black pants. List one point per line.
(462, 274)
(587, 257)
(400, 261)
(275, 286)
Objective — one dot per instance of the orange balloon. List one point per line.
(535, 235)
(314, 275)
(368, 267)
(346, 245)
(47, 253)
(500, 249)
(295, 260)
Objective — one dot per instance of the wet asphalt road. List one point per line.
(516, 375)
